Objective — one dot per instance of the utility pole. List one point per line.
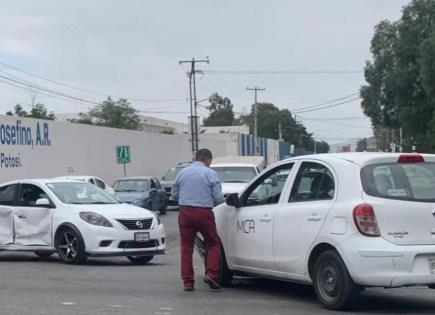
(256, 89)
(279, 131)
(193, 102)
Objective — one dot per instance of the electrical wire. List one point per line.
(326, 106)
(263, 72)
(85, 90)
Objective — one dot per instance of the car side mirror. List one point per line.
(233, 200)
(43, 202)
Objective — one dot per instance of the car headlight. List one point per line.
(158, 220)
(95, 219)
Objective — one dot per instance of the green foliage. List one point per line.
(401, 78)
(322, 147)
(221, 111)
(39, 111)
(269, 118)
(361, 145)
(115, 114)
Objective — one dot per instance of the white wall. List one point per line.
(88, 150)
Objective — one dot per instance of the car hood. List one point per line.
(114, 211)
(233, 188)
(129, 197)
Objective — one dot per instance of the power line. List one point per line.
(327, 102)
(333, 119)
(39, 88)
(263, 72)
(85, 90)
(327, 106)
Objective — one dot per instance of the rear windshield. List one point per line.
(402, 181)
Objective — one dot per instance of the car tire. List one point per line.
(43, 254)
(140, 260)
(70, 246)
(333, 285)
(225, 276)
(164, 208)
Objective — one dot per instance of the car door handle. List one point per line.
(314, 218)
(21, 216)
(266, 218)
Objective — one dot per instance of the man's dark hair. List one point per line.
(203, 155)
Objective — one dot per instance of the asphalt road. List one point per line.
(31, 285)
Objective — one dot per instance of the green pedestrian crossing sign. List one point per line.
(123, 154)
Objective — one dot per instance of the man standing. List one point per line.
(197, 190)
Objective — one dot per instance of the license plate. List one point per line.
(431, 263)
(141, 236)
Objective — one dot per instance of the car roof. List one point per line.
(80, 177)
(40, 181)
(361, 158)
(137, 178)
(233, 165)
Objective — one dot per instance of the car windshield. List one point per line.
(403, 181)
(81, 193)
(172, 173)
(136, 185)
(234, 174)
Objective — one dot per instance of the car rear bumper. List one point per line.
(377, 262)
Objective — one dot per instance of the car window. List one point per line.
(411, 181)
(134, 185)
(267, 189)
(99, 183)
(153, 184)
(156, 183)
(8, 194)
(228, 174)
(81, 193)
(314, 181)
(29, 194)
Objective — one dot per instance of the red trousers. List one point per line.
(190, 221)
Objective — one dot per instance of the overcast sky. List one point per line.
(132, 48)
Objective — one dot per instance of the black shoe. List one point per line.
(189, 287)
(211, 283)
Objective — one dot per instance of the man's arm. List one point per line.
(216, 190)
(176, 188)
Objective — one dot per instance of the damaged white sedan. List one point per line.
(77, 220)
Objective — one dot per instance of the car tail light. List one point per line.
(365, 220)
(410, 158)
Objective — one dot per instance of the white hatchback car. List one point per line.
(77, 220)
(340, 222)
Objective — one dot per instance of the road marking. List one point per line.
(166, 308)
(117, 306)
(68, 303)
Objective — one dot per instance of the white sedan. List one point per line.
(340, 222)
(77, 220)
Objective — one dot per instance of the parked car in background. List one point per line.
(76, 219)
(235, 172)
(90, 179)
(169, 178)
(340, 222)
(142, 191)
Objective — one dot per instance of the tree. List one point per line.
(401, 81)
(39, 111)
(361, 145)
(117, 114)
(271, 117)
(221, 111)
(322, 147)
